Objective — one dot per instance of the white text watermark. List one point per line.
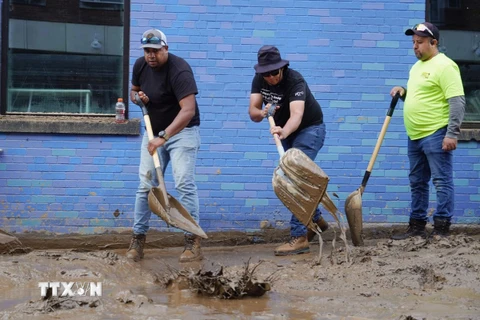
(71, 289)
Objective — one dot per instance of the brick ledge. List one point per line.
(68, 125)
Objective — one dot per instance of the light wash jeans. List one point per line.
(181, 150)
(310, 140)
(428, 160)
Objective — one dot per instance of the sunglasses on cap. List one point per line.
(152, 40)
(422, 27)
(271, 73)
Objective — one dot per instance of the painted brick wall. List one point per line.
(350, 52)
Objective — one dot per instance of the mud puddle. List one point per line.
(410, 279)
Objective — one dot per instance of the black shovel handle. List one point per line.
(393, 104)
(140, 103)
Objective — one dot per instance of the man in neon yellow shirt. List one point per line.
(433, 112)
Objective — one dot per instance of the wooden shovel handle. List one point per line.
(280, 149)
(156, 159)
(393, 103)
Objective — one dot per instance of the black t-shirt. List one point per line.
(293, 87)
(165, 87)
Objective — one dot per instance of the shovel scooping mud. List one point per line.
(160, 202)
(301, 186)
(353, 204)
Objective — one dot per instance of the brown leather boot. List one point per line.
(322, 224)
(135, 251)
(192, 250)
(296, 245)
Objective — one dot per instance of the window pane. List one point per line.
(459, 25)
(471, 81)
(64, 61)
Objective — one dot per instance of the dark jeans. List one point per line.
(428, 160)
(310, 141)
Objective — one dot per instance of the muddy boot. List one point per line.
(296, 245)
(415, 228)
(135, 251)
(441, 227)
(322, 224)
(192, 251)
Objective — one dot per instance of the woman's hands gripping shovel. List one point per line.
(160, 202)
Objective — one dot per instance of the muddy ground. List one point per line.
(410, 279)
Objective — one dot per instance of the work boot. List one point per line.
(415, 228)
(135, 251)
(441, 227)
(296, 245)
(322, 224)
(192, 250)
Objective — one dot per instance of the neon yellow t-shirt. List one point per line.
(430, 84)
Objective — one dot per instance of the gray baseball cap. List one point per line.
(153, 38)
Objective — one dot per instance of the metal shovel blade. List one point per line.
(177, 215)
(300, 184)
(353, 211)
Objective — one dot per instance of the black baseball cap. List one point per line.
(425, 29)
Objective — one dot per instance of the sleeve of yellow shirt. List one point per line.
(451, 81)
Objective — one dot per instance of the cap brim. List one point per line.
(411, 32)
(270, 67)
(151, 45)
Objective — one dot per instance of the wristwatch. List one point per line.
(163, 134)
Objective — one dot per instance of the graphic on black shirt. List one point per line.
(271, 97)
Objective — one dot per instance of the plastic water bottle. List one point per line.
(120, 111)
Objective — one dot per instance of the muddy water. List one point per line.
(408, 279)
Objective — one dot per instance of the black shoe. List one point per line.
(416, 228)
(441, 227)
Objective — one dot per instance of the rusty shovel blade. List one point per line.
(353, 211)
(177, 215)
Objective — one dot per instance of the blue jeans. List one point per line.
(181, 150)
(310, 140)
(428, 160)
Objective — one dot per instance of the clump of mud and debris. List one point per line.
(220, 283)
(52, 304)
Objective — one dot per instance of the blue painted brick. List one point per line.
(359, 61)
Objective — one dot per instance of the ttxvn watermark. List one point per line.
(71, 289)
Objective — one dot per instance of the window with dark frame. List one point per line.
(459, 25)
(62, 58)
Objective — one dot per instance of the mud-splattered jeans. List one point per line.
(310, 140)
(181, 150)
(429, 161)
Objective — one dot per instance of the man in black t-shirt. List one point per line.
(299, 124)
(166, 85)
